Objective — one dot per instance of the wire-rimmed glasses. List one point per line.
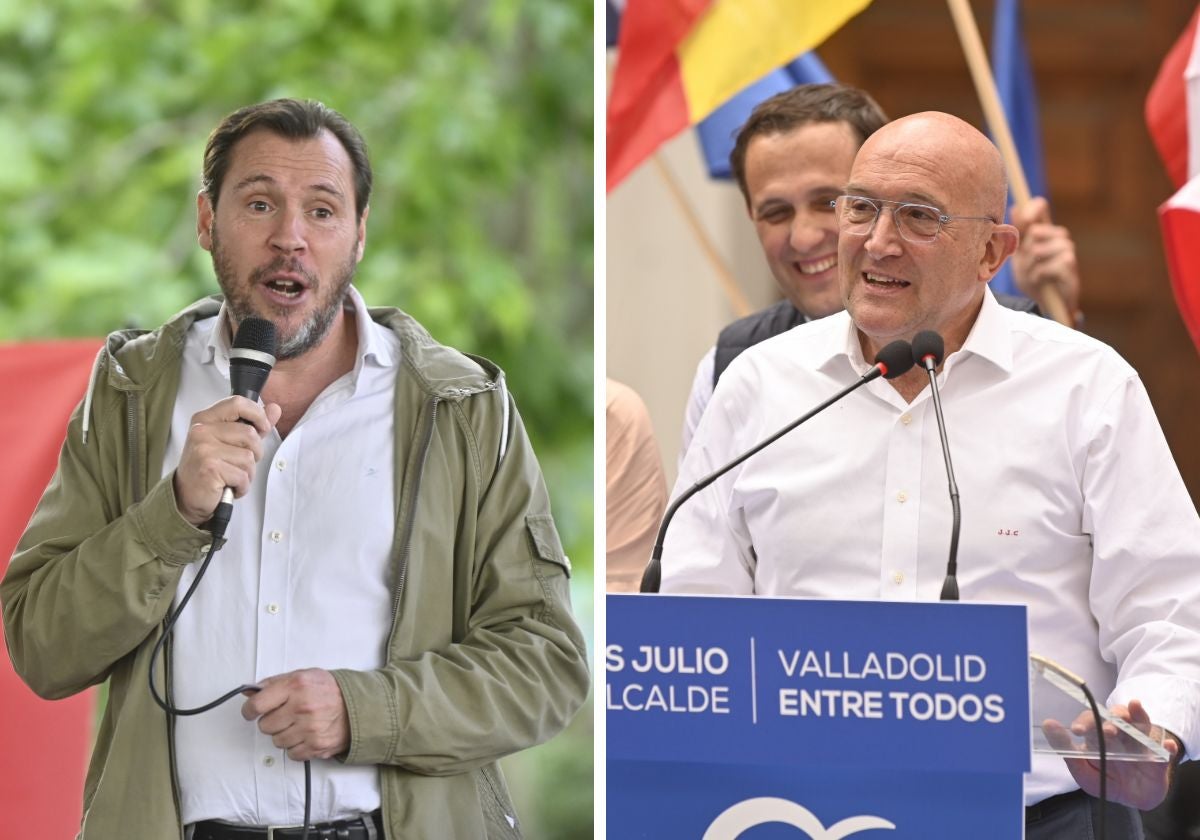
(857, 214)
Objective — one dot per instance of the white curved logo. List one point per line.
(735, 819)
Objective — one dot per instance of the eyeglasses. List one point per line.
(857, 215)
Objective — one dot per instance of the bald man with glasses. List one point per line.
(1071, 501)
(791, 160)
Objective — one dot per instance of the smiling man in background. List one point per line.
(790, 160)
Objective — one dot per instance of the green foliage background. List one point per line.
(478, 116)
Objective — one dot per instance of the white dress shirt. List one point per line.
(304, 581)
(1071, 501)
(698, 399)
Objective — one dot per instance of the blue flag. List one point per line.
(612, 23)
(716, 131)
(1014, 83)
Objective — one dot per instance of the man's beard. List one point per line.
(312, 331)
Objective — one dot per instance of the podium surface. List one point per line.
(759, 718)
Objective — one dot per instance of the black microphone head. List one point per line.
(896, 358)
(252, 357)
(255, 334)
(928, 344)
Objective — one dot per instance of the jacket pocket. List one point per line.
(546, 544)
(498, 811)
(550, 566)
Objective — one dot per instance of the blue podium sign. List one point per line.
(759, 718)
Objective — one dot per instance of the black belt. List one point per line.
(1046, 807)
(355, 829)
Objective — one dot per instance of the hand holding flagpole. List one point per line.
(985, 87)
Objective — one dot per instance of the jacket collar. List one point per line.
(133, 360)
(442, 371)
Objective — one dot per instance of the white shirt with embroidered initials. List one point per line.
(304, 581)
(1071, 501)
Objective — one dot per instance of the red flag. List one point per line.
(46, 744)
(1167, 109)
(1173, 117)
(647, 105)
(1180, 221)
(678, 60)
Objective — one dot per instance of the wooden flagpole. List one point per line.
(741, 307)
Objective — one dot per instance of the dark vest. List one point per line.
(781, 317)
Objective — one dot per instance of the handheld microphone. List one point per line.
(928, 349)
(250, 362)
(252, 357)
(893, 360)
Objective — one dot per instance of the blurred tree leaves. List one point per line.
(478, 117)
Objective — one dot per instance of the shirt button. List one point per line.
(273, 609)
(906, 419)
(902, 497)
(898, 577)
(276, 536)
(269, 760)
(281, 464)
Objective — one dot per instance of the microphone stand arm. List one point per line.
(950, 585)
(652, 576)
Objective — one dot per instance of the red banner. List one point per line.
(1179, 218)
(46, 744)
(1167, 108)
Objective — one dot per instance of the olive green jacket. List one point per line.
(484, 657)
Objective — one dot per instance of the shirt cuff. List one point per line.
(1172, 703)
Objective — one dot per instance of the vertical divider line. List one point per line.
(753, 685)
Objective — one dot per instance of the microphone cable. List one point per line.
(217, 529)
(1101, 820)
(1074, 686)
(252, 358)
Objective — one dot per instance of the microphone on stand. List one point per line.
(250, 362)
(893, 360)
(928, 348)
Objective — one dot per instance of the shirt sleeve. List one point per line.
(1145, 587)
(708, 548)
(112, 572)
(702, 391)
